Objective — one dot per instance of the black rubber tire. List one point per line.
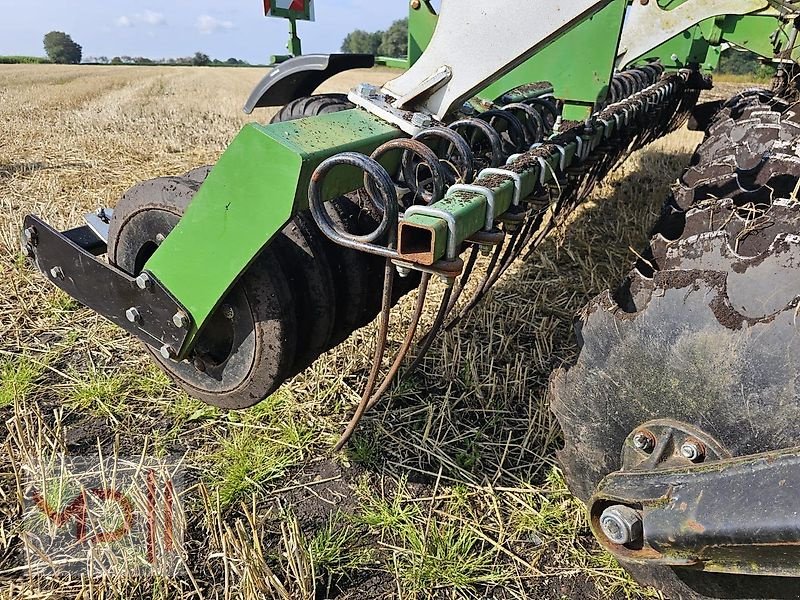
(246, 354)
(708, 338)
(311, 106)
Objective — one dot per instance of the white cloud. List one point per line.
(208, 24)
(153, 18)
(148, 17)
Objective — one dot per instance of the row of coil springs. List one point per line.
(643, 103)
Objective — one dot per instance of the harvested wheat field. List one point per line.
(448, 490)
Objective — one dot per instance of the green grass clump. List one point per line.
(18, 377)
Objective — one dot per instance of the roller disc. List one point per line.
(247, 347)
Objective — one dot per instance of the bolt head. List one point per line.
(228, 312)
(144, 281)
(180, 319)
(415, 4)
(29, 236)
(421, 120)
(692, 451)
(160, 238)
(403, 271)
(365, 90)
(199, 364)
(643, 440)
(57, 273)
(132, 314)
(621, 524)
(27, 251)
(486, 249)
(167, 352)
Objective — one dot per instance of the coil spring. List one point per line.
(470, 148)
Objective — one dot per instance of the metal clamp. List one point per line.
(449, 218)
(515, 176)
(487, 193)
(562, 163)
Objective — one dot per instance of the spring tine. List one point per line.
(490, 133)
(427, 341)
(377, 360)
(480, 292)
(410, 148)
(457, 143)
(465, 275)
(409, 339)
(515, 129)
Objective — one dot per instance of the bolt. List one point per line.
(57, 273)
(27, 250)
(644, 2)
(621, 524)
(199, 365)
(29, 235)
(159, 238)
(674, 57)
(486, 249)
(227, 312)
(415, 4)
(403, 271)
(693, 451)
(421, 120)
(144, 281)
(101, 214)
(365, 90)
(643, 440)
(180, 319)
(468, 109)
(168, 352)
(132, 314)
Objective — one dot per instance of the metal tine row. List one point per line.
(439, 158)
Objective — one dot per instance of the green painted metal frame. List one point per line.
(589, 49)
(259, 182)
(262, 178)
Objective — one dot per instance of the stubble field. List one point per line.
(449, 489)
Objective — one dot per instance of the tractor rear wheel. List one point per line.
(247, 347)
(703, 332)
(312, 106)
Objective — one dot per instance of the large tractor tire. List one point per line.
(312, 106)
(704, 331)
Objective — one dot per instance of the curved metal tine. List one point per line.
(377, 360)
(513, 137)
(479, 292)
(533, 121)
(409, 339)
(385, 199)
(460, 285)
(427, 157)
(476, 128)
(427, 341)
(458, 147)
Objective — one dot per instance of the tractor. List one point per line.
(681, 414)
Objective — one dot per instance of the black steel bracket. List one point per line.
(140, 305)
(736, 515)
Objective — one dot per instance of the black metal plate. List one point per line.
(104, 288)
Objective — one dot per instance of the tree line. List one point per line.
(393, 42)
(60, 48)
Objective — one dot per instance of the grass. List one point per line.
(449, 488)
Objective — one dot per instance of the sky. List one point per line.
(221, 29)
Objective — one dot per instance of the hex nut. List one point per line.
(621, 524)
(29, 235)
(180, 319)
(693, 451)
(421, 120)
(144, 281)
(643, 440)
(365, 90)
(57, 273)
(167, 352)
(132, 314)
(228, 312)
(403, 271)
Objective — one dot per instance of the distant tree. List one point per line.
(235, 61)
(739, 62)
(61, 49)
(116, 60)
(362, 42)
(394, 41)
(200, 59)
(103, 60)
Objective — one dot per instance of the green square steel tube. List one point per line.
(259, 182)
